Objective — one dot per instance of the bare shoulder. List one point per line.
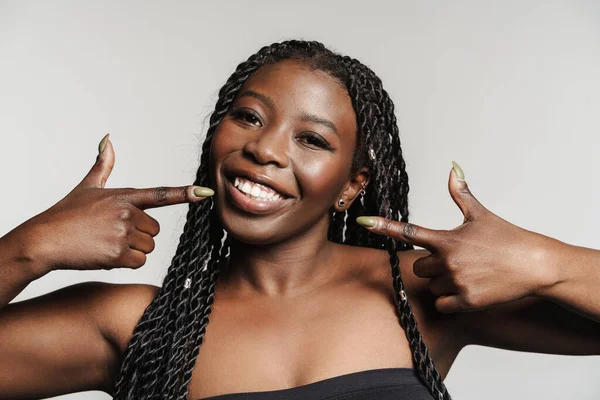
(119, 307)
(69, 340)
(441, 332)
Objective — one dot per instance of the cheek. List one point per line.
(322, 179)
(221, 144)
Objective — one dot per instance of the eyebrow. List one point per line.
(303, 116)
(264, 98)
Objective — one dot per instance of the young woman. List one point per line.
(303, 301)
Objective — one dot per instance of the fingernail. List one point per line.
(460, 175)
(102, 144)
(202, 191)
(366, 221)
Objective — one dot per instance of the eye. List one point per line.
(313, 139)
(246, 116)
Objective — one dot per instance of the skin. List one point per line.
(284, 250)
(290, 301)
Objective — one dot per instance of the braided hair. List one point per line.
(162, 351)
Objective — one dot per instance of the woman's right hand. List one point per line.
(97, 228)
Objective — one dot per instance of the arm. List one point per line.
(53, 344)
(560, 319)
(66, 341)
(72, 339)
(531, 324)
(578, 279)
(18, 266)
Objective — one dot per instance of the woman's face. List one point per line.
(281, 156)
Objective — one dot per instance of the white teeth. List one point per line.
(255, 191)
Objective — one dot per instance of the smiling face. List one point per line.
(281, 156)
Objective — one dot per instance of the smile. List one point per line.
(256, 190)
(253, 197)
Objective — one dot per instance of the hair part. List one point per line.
(162, 351)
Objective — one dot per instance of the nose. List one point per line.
(269, 146)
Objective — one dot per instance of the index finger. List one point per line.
(166, 196)
(429, 239)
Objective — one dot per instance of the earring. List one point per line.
(363, 191)
(341, 203)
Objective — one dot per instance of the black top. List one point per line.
(374, 384)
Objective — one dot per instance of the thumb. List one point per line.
(462, 196)
(105, 162)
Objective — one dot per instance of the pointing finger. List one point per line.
(166, 196)
(405, 231)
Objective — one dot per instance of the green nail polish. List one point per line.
(102, 144)
(366, 221)
(202, 191)
(459, 172)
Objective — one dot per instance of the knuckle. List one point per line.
(183, 193)
(389, 226)
(464, 190)
(459, 283)
(470, 300)
(116, 254)
(451, 265)
(409, 230)
(160, 194)
(386, 224)
(122, 232)
(125, 214)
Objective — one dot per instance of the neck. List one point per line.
(287, 268)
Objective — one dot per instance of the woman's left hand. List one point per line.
(484, 262)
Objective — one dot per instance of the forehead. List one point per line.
(295, 88)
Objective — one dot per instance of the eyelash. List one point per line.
(241, 114)
(238, 113)
(317, 138)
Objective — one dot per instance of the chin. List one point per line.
(251, 233)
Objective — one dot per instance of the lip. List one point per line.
(251, 205)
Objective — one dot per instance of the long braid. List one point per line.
(160, 357)
(376, 117)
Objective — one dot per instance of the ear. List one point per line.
(352, 189)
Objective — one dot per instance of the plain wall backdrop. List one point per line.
(508, 89)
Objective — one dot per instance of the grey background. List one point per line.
(508, 89)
